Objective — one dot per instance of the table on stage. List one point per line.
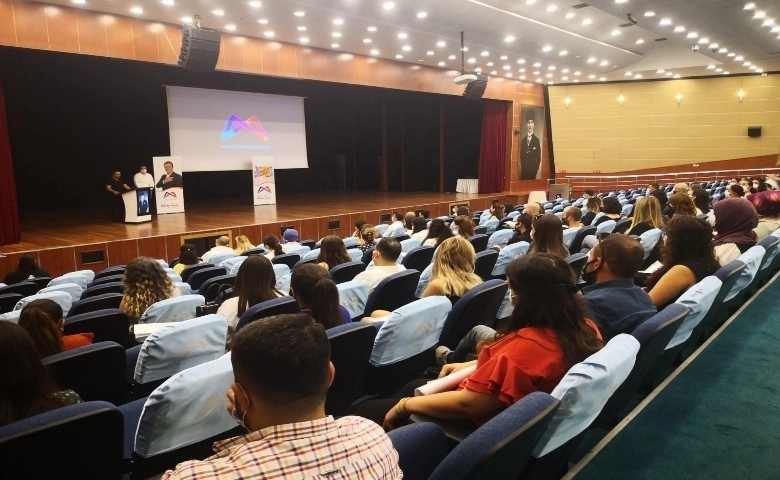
(467, 185)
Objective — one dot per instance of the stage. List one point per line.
(64, 241)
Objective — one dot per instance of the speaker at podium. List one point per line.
(138, 207)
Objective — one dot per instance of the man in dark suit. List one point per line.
(170, 179)
(530, 154)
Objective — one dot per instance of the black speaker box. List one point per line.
(476, 88)
(199, 49)
(754, 131)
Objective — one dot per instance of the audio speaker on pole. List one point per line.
(199, 49)
(754, 131)
(476, 88)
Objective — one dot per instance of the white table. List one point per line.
(467, 185)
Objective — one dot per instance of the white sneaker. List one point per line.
(442, 355)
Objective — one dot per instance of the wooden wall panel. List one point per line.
(154, 247)
(253, 57)
(121, 252)
(31, 27)
(168, 44)
(309, 229)
(254, 233)
(144, 43)
(92, 35)
(58, 261)
(62, 24)
(7, 24)
(231, 53)
(119, 38)
(172, 245)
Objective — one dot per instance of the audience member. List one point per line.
(274, 247)
(571, 218)
(27, 268)
(290, 240)
(687, 256)
(464, 226)
(27, 387)
(242, 244)
(145, 283)
(681, 204)
(735, 220)
(735, 191)
(593, 207)
(438, 231)
(42, 319)
(701, 200)
(767, 203)
(452, 272)
(408, 219)
(523, 226)
(588, 193)
(187, 256)
(533, 208)
(611, 207)
(462, 210)
(313, 288)
(647, 216)
(397, 227)
(612, 299)
(255, 283)
(496, 211)
(221, 247)
(282, 373)
(662, 198)
(332, 252)
(547, 235)
(547, 333)
(385, 255)
(368, 236)
(358, 228)
(419, 228)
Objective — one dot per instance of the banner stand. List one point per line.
(170, 184)
(263, 180)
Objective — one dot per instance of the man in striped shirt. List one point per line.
(282, 371)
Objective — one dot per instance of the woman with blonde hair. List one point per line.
(647, 216)
(465, 226)
(145, 283)
(367, 237)
(242, 244)
(452, 273)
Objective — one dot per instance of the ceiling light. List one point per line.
(429, 52)
(676, 75)
(759, 14)
(536, 72)
(564, 78)
(167, 2)
(726, 72)
(371, 29)
(521, 77)
(521, 70)
(521, 61)
(577, 73)
(591, 76)
(485, 53)
(549, 75)
(506, 67)
(336, 34)
(679, 28)
(704, 41)
(465, 49)
(537, 64)
(263, 21)
(441, 64)
(218, 12)
(551, 8)
(546, 48)
(665, 21)
(768, 22)
(759, 70)
(604, 63)
(640, 41)
(530, 2)
(591, 59)
(422, 14)
(374, 51)
(750, 6)
(776, 29)
(478, 69)
(615, 32)
(338, 21)
(551, 67)
(399, 56)
(710, 67)
(539, 80)
(185, 19)
(587, 21)
(602, 79)
(304, 40)
(451, 57)
(269, 34)
(471, 60)
(747, 64)
(563, 53)
(718, 70)
(299, 13)
(402, 35)
(388, 5)
(660, 71)
(692, 35)
(731, 54)
(489, 64)
(253, 4)
(503, 57)
(621, 1)
(739, 58)
(638, 76)
(649, 14)
(570, 15)
(714, 46)
(668, 74)
(628, 74)
(366, 40)
(334, 45)
(576, 80)
(723, 50)
(301, 28)
(509, 38)
(565, 70)
(441, 43)
(79, 2)
(230, 28)
(137, 10)
(405, 48)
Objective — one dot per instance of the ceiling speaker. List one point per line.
(476, 89)
(199, 49)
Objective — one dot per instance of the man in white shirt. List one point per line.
(397, 227)
(571, 218)
(385, 255)
(222, 248)
(290, 240)
(143, 179)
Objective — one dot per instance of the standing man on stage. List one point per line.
(143, 179)
(116, 187)
(170, 179)
(530, 154)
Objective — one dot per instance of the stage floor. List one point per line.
(46, 230)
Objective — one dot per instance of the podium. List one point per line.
(138, 207)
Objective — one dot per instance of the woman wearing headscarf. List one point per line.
(735, 220)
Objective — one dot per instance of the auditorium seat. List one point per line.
(421, 447)
(506, 255)
(25, 288)
(289, 259)
(73, 289)
(174, 309)
(478, 306)
(99, 302)
(393, 291)
(418, 258)
(196, 279)
(486, 260)
(350, 350)
(115, 287)
(269, 308)
(63, 299)
(353, 296)
(185, 274)
(95, 372)
(107, 325)
(107, 272)
(347, 271)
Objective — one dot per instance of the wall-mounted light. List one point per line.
(567, 101)
(621, 99)
(678, 97)
(740, 94)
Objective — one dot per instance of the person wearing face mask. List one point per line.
(612, 299)
(144, 180)
(282, 407)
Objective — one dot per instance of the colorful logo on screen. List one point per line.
(169, 194)
(252, 125)
(264, 188)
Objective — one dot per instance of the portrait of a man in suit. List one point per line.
(530, 152)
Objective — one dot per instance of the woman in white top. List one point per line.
(255, 283)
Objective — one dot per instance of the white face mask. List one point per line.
(239, 417)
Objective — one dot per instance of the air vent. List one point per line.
(662, 39)
(334, 225)
(92, 257)
(580, 5)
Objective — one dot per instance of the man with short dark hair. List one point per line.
(614, 302)
(397, 227)
(530, 153)
(571, 218)
(385, 255)
(116, 187)
(282, 372)
(588, 193)
(170, 179)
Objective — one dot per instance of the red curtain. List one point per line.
(492, 165)
(9, 210)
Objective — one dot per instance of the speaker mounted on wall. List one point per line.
(754, 132)
(199, 49)
(476, 89)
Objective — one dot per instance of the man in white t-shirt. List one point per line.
(385, 255)
(397, 227)
(571, 218)
(143, 179)
(222, 248)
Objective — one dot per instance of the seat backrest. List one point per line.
(622, 225)
(107, 272)
(585, 389)
(184, 288)
(185, 274)
(198, 278)
(770, 244)
(353, 296)
(479, 241)
(8, 301)
(106, 279)
(173, 309)
(699, 299)
(311, 255)
(425, 279)
(420, 447)
(393, 291)
(491, 226)
(501, 447)
(63, 299)
(82, 277)
(577, 262)
(26, 288)
(107, 325)
(300, 251)
(88, 438)
(183, 345)
(478, 306)
(576, 242)
(649, 240)
(752, 259)
(99, 302)
(289, 259)
(409, 330)
(568, 236)
(350, 349)
(355, 254)
(347, 271)
(627, 209)
(418, 258)
(187, 408)
(95, 372)
(218, 259)
(210, 287)
(606, 226)
(232, 264)
(113, 287)
(269, 308)
(74, 289)
(506, 255)
(409, 244)
(500, 238)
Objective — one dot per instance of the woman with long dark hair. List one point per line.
(255, 282)
(26, 268)
(187, 256)
(316, 293)
(332, 252)
(465, 226)
(273, 245)
(547, 235)
(438, 232)
(42, 319)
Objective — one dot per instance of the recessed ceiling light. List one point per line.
(603, 63)
(430, 52)
(164, 2)
(704, 40)
(530, 2)
(591, 76)
(405, 48)
(366, 40)
(451, 57)
(371, 29)
(263, 21)
(776, 29)
(422, 14)
(539, 80)
(536, 72)
(230, 28)
(723, 50)
(521, 61)
(503, 57)
(506, 67)
(471, 60)
(185, 19)
(388, 5)
(692, 35)
(552, 8)
(478, 69)
(603, 79)
(665, 21)
(679, 28)
(668, 74)
(628, 74)
(576, 80)
(137, 10)
(537, 64)
(465, 49)
(565, 70)
(587, 21)
(521, 70)
(549, 75)
(638, 75)
(521, 77)
(676, 75)
(218, 12)
(726, 72)
(714, 46)
(759, 14)
(739, 58)
(747, 64)
(577, 73)
(710, 67)
(441, 64)
(621, 1)
(374, 51)
(334, 45)
(563, 53)
(338, 21)
(731, 54)
(299, 13)
(564, 78)
(509, 38)
(768, 22)
(649, 14)
(304, 40)
(79, 2)
(718, 70)
(546, 48)
(441, 43)
(399, 56)
(750, 6)
(301, 28)
(551, 67)
(615, 32)
(591, 59)
(402, 35)
(570, 15)
(640, 41)
(485, 53)
(269, 34)
(660, 71)
(336, 34)
(255, 4)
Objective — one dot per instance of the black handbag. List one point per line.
(206, 309)
(224, 291)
